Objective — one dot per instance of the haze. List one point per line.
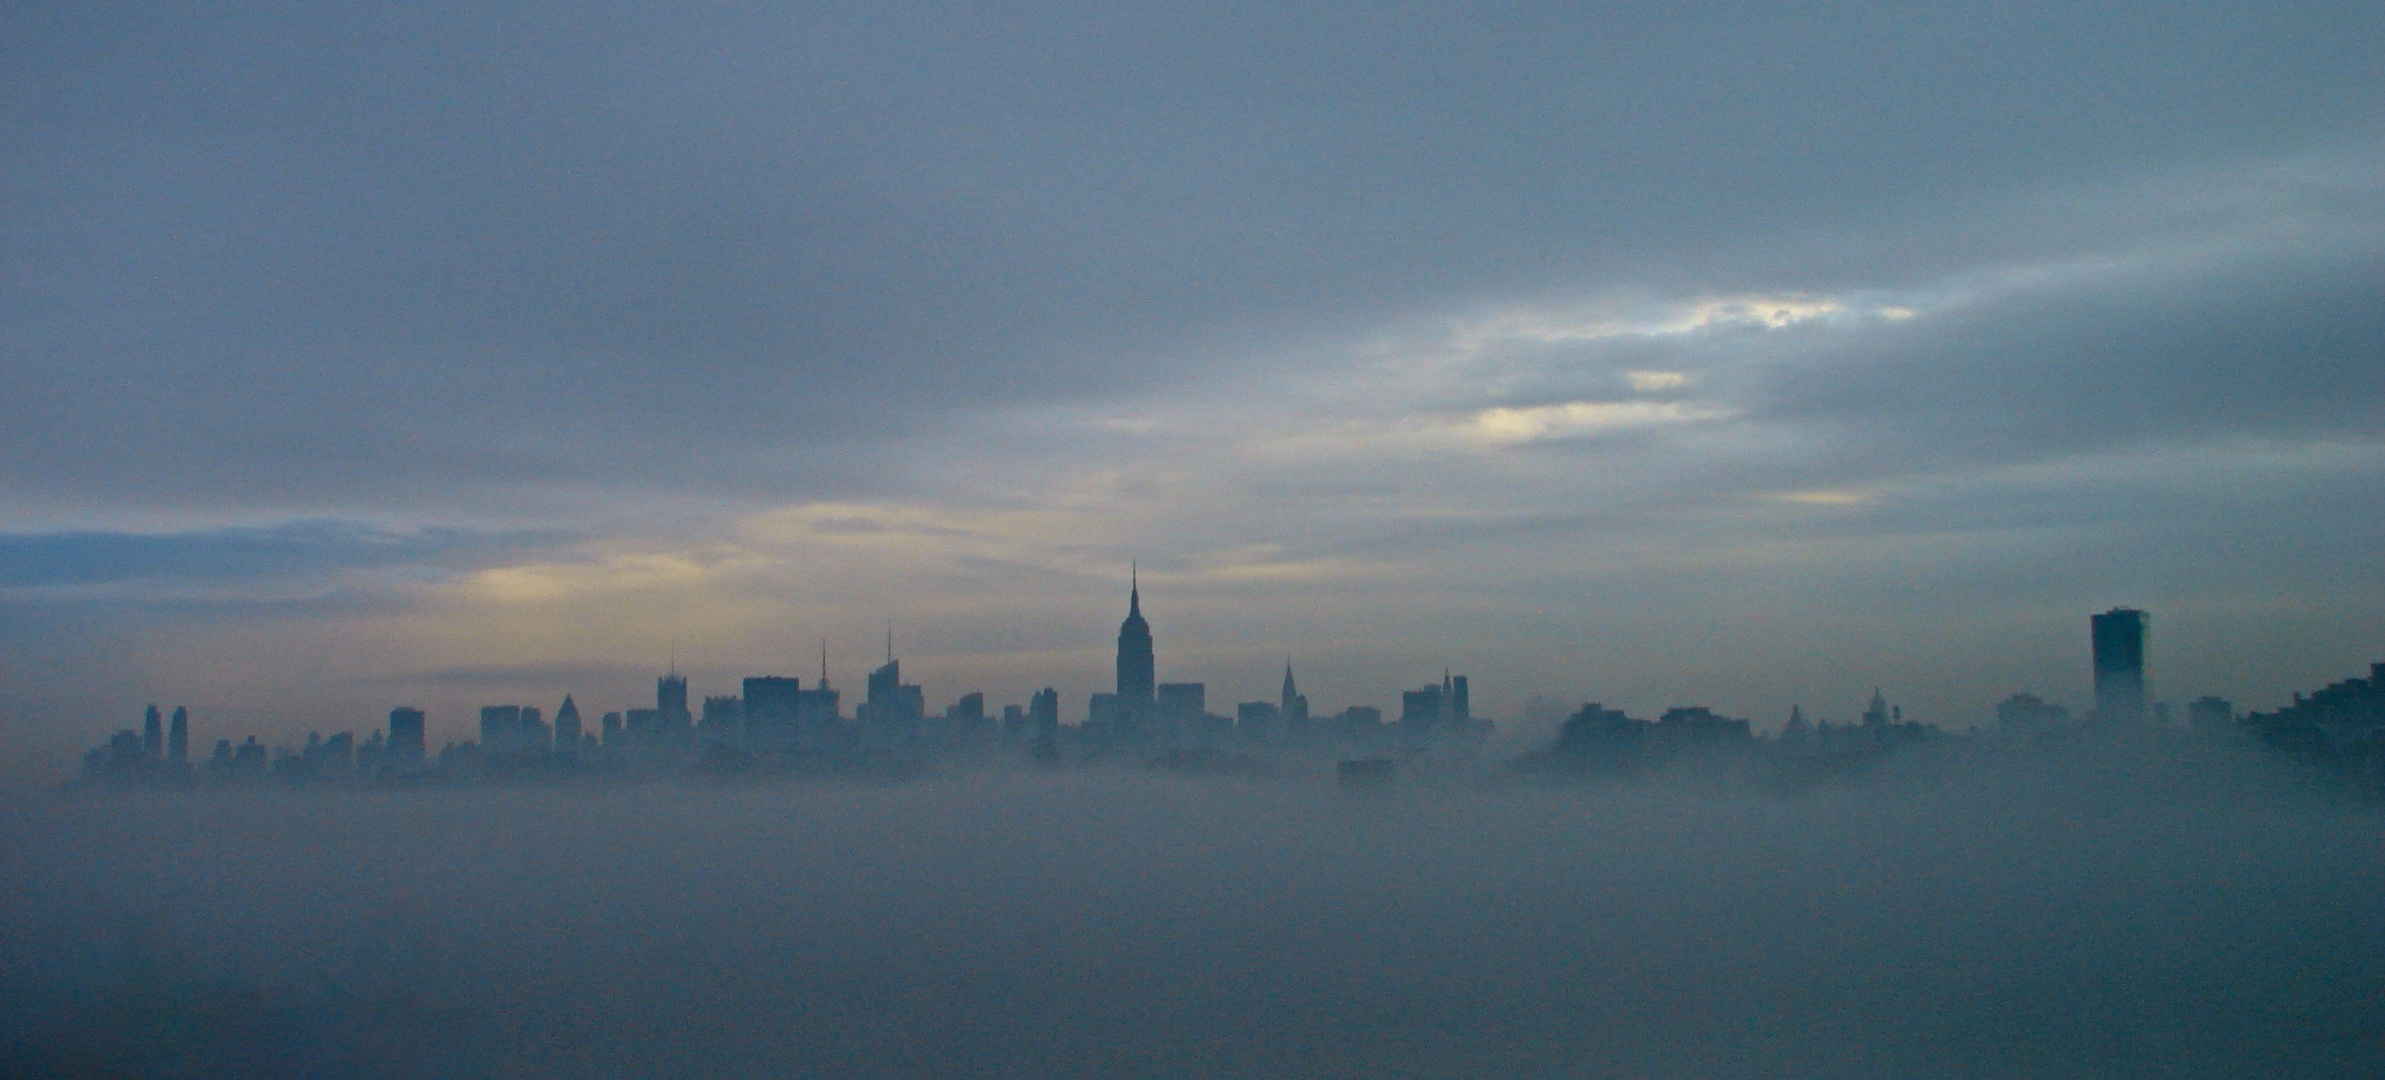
(1740, 356)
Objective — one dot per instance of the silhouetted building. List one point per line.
(1696, 727)
(1043, 714)
(1420, 713)
(723, 723)
(771, 696)
(1258, 720)
(1292, 703)
(178, 737)
(966, 719)
(818, 708)
(639, 729)
(407, 746)
(1358, 723)
(609, 726)
(2119, 645)
(672, 721)
(567, 728)
(2209, 713)
(893, 706)
(153, 734)
(2345, 718)
(1876, 713)
(1599, 739)
(1103, 713)
(534, 735)
(2029, 714)
(500, 729)
(1137, 669)
(336, 754)
(1183, 700)
(773, 710)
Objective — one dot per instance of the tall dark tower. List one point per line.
(1137, 682)
(2119, 640)
(406, 742)
(670, 702)
(178, 737)
(153, 732)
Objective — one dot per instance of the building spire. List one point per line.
(823, 663)
(890, 641)
(1134, 587)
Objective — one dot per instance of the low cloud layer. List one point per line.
(2085, 912)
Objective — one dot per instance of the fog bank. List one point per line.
(2102, 912)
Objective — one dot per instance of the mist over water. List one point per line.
(2101, 911)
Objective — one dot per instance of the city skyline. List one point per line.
(451, 713)
(777, 715)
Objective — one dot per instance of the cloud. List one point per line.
(1576, 419)
(748, 252)
(235, 555)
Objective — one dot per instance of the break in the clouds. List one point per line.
(1746, 354)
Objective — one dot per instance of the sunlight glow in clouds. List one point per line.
(1579, 419)
(1560, 325)
(1649, 382)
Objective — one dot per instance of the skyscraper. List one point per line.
(532, 734)
(153, 734)
(1043, 712)
(892, 705)
(1137, 679)
(567, 728)
(406, 743)
(178, 737)
(670, 702)
(500, 729)
(2119, 640)
(773, 704)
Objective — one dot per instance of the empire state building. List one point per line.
(1135, 667)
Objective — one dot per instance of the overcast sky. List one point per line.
(1735, 355)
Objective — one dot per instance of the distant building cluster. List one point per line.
(777, 724)
(2345, 718)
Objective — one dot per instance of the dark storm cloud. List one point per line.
(290, 255)
(298, 549)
